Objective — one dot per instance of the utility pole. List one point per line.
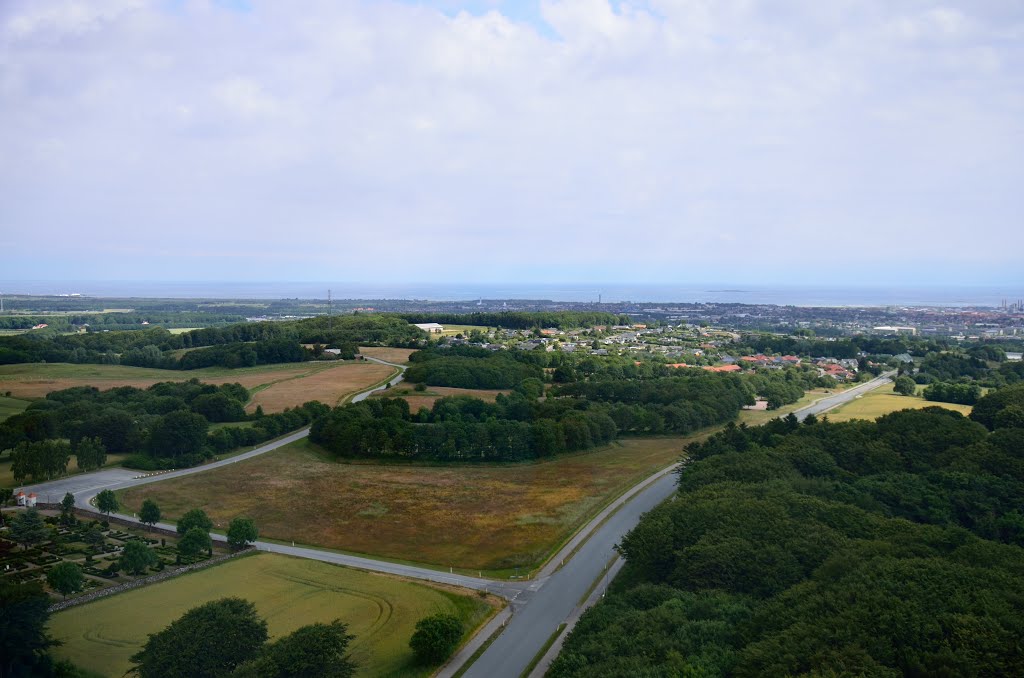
(330, 316)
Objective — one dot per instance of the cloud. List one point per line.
(487, 140)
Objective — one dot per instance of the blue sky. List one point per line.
(664, 141)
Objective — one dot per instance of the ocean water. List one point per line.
(991, 296)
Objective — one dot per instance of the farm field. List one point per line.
(391, 355)
(381, 612)
(329, 381)
(493, 518)
(330, 386)
(883, 401)
(418, 399)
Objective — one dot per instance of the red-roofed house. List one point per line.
(724, 368)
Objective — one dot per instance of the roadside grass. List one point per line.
(381, 611)
(882, 401)
(758, 417)
(488, 518)
(7, 478)
(427, 398)
(399, 356)
(11, 406)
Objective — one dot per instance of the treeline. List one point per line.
(518, 427)
(865, 548)
(166, 425)
(964, 394)
(496, 370)
(226, 355)
(521, 320)
(141, 347)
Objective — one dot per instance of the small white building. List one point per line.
(28, 500)
(430, 328)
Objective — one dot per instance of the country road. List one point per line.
(539, 605)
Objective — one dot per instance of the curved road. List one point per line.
(537, 608)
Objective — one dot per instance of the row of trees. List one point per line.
(965, 394)
(883, 548)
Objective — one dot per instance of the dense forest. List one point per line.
(884, 548)
(166, 425)
(235, 345)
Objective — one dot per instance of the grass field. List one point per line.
(391, 355)
(283, 385)
(883, 401)
(418, 399)
(492, 518)
(11, 406)
(381, 612)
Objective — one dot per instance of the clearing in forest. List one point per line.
(381, 611)
(432, 394)
(399, 356)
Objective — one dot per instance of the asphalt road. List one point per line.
(831, 402)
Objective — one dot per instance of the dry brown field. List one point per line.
(329, 386)
(275, 386)
(391, 355)
(492, 518)
(418, 399)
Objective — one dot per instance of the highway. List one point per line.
(538, 605)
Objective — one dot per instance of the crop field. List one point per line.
(283, 385)
(391, 355)
(493, 518)
(883, 401)
(418, 399)
(381, 612)
(329, 386)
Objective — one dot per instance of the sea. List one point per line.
(783, 295)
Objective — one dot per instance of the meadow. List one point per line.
(11, 406)
(491, 518)
(882, 401)
(381, 611)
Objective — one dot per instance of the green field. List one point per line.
(11, 406)
(882, 401)
(381, 612)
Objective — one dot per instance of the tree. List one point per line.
(67, 504)
(194, 518)
(436, 637)
(309, 652)
(66, 578)
(90, 453)
(28, 528)
(149, 513)
(23, 617)
(241, 531)
(106, 502)
(208, 641)
(178, 434)
(904, 386)
(194, 542)
(136, 557)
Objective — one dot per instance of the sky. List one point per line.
(548, 141)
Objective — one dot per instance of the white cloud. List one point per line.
(730, 136)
